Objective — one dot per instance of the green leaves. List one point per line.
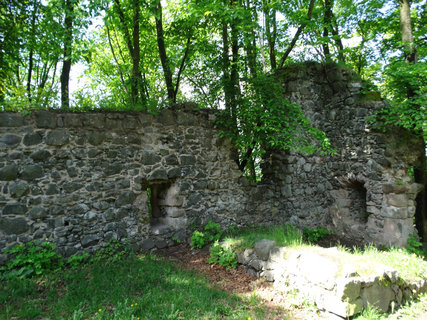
(32, 259)
(266, 120)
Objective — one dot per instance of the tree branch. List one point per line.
(297, 34)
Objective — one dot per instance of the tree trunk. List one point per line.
(297, 34)
(163, 55)
(327, 19)
(132, 43)
(68, 44)
(406, 31)
(270, 18)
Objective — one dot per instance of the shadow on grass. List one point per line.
(141, 287)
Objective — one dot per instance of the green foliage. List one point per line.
(113, 252)
(316, 234)
(406, 87)
(198, 240)
(212, 233)
(415, 246)
(77, 260)
(32, 259)
(264, 120)
(222, 255)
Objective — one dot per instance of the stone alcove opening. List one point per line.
(357, 193)
(353, 198)
(165, 207)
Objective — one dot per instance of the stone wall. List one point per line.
(81, 179)
(365, 191)
(337, 281)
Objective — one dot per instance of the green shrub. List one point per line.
(223, 256)
(76, 261)
(313, 235)
(212, 233)
(414, 245)
(198, 240)
(32, 259)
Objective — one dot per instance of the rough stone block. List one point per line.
(9, 119)
(40, 155)
(57, 137)
(263, 247)
(14, 209)
(10, 140)
(150, 158)
(14, 226)
(45, 119)
(38, 212)
(90, 240)
(174, 173)
(396, 200)
(158, 174)
(188, 160)
(348, 289)
(32, 172)
(125, 198)
(114, 168)
(378, 295)
(395, 213)
(79, 209)
(32, 138)
(95, 138)
(9, 172)
(19, 189)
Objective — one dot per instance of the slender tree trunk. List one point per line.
(31, 57)
(327, 18)
(163, 55)
(137, 90)
(68, 44)
(270, 19)
(297, 34)
(119, 69)
(338, 42)
(182, 65)
(132, 42)
(226, 67)
(250, 44)
(406, 31)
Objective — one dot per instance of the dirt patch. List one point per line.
(236, 281)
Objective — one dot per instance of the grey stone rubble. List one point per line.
(337, 282)
(82, 179)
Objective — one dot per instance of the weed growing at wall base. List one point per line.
(32, 259)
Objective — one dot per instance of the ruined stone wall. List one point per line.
(81, 179)
(365, 191)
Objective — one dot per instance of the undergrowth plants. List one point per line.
(32, 259)
(212, 232)
(40, 258)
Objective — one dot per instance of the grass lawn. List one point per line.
(135, 287)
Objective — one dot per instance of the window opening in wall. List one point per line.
(154, 209)
(165, 207)
(357, 193)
